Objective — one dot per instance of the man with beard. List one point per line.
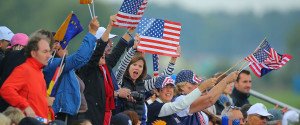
(242, 87)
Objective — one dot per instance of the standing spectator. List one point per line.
(258, 114)
(241, 90)
(5, 38)
(18, 41)
(67, 92)
(98, 78)
(25, 88)
(11, 60)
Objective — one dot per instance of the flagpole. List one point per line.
(259, 44)
(230, 68)
(53, 56)
(90, 11)
(93, 3)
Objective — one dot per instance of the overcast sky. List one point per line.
(234, 7)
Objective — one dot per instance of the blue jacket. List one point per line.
(67, 98)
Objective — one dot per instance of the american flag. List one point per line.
(159, 36)
(155, 65)
(260, 55)
(263, 61)
(130, 13)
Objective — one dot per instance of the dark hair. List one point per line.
(243, 71)
(244, 109)
(134, 117)
(35, 38)
(133, 60)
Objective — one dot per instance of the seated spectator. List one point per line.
(233, 113)
(30, 121)
(133, 117)
(4, 120)
(244, 110)
(15, 114)
(258, 114)
(120, 119)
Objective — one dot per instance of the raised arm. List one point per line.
(150, 83)
(126, 60)
(212, 96)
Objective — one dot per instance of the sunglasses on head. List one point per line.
(233, 108)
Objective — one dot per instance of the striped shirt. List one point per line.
(149, 83)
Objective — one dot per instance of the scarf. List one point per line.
(109, 89)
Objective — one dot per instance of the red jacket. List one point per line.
(25, 87)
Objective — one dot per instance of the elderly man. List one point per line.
(25, 88)
(258, 114)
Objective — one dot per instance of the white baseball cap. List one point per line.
(100, 32)
(259, 109)
(5, 33)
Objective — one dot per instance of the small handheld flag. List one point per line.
(130, 13)
(266, 59)
(68, 30)
(159, 36)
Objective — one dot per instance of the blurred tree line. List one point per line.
(209, 43)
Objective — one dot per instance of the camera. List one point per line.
(137, 95)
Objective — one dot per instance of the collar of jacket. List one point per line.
(239, 94)
(35, 64)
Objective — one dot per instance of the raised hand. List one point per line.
(94, 25)
(207, 84)
(137, 40)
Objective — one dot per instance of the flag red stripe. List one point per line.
(126, 22)
(157, 41)
(171, 39)
(171, 33)
(171, 22)
(159, 53)
(128, 17)
(156, 47)
(172, 28)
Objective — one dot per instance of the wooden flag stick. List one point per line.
(242, 66)
(90, 11)
(93, 3)
(53, 56)
(231, 68)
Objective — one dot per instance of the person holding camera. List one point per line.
(131, 74)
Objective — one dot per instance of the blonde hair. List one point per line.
(4, 120)
(179, 86)
(15, 114)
